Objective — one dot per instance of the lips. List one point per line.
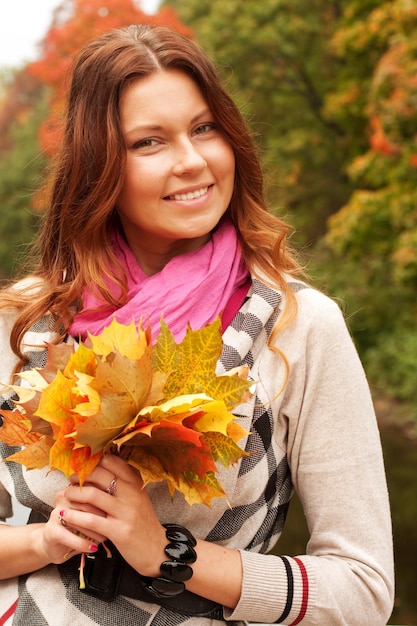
(190, 195)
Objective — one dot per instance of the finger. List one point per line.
(116, 465)
(80, 498)
(101, 478)
(62, 544)
(83, 525)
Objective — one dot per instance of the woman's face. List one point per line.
(179, 169)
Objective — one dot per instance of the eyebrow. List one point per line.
(157, 127)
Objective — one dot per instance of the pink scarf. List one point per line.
(192, 288)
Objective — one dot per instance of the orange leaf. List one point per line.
(83, 462)
(178, 449)
(15, 430)
(35, 456)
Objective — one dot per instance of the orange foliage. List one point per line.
(75, 22)
(378, 139)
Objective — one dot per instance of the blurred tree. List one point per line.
(20, 91)
(380, 219)
(376, 230)
(21, 163)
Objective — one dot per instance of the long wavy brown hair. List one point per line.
(72, 248)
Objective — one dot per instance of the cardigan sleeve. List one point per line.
(8, 359)
(334, 452)
(8, 362)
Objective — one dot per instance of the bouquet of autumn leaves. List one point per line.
(162, 407)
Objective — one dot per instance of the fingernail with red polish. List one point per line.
(62, 513)
(92, 547)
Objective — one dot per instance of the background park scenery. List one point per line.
(330, 91)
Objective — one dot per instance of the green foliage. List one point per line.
(381, 215)
(20, 168)
(392, 361)
(381, 315)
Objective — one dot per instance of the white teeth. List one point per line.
(191, 195)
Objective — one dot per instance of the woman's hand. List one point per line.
(60, 541)
(122, 512)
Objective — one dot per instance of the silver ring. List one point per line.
(111, 489)
(61, 520)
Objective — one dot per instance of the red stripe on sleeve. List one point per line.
(8, 614)
(304, 601)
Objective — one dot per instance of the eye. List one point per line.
(205, 128)
(145, 143)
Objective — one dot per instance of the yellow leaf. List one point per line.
(122, 385)
(178, 405)
(191, 362)
(58, 356)
(131, 341)
(35, 379)
(156, 392)
(82, 360)
(83, 388)
(25, 394)
(216, 417)
(57, 400)
(236, 432)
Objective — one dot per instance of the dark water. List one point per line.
(400, 454)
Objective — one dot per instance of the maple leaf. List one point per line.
(131, 341)
(182, 459)
(29, 402)
(35, 455)
(191, 365)
(176, 441)
(81, 360)
(57, 401)
(121, 383)
(57, 358)
(177, 448)
(223, 448)
(15, 430)
(35, 380)
(196, 490)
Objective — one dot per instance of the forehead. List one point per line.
(165, 93)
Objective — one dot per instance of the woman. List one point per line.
(157, 208)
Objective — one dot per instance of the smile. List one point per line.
(191, 195)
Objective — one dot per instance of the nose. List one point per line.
(188, 159)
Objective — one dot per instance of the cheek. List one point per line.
(227, 163)
(140, 184)
(146, 178)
